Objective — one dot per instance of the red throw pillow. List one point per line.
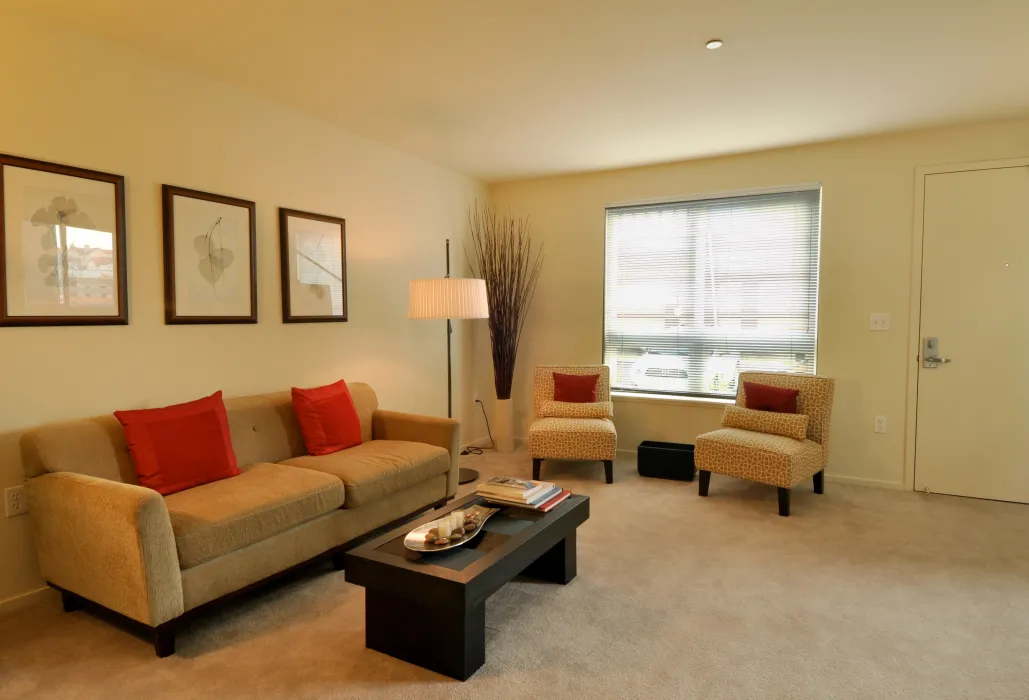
(576, 388)
(328, 418)
(178, 447)
(762, 397)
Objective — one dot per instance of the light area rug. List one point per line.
(861, 593)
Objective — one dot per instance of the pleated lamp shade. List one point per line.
(449, 297)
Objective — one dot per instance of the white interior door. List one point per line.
(972, 431)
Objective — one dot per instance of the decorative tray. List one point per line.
(419, 539)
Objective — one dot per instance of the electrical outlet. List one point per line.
(17, 503)
(879, 322)
(880, 424)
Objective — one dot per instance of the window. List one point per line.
(697, 291)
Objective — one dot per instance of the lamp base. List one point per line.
(467, 476)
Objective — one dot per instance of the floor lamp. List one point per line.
(449, 298)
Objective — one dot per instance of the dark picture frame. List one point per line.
(213, 258)
(63, 210)
(323, 294)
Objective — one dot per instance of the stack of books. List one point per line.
(540, 496)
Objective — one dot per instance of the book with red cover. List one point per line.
(559, 498)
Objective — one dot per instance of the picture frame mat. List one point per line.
(74, 270)
(209, 257)
(313, 260)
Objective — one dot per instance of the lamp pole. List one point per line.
(450, 330)
(465, 475)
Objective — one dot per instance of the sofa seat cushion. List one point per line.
(376, 469)
(266, 499)
(769, 459)
(587, 439)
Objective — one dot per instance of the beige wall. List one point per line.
(866, 260)
(70, 99)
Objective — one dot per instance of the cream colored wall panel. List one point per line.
(866, 255)
(663, 420)
(73, 99)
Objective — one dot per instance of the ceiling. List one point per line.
(503, 89)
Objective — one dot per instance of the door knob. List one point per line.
(930, 353)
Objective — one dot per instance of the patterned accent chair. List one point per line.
(771, 459)
(572, 431)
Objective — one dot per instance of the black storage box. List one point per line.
(665, 460)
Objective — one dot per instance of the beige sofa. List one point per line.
(102, 537)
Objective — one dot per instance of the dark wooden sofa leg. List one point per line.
(705, 482)
(609, 471)
(820, 482)
(164, 640)
(536, 463)
(70, 601)
(338, 559)
(784, 501)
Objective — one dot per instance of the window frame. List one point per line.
(664, 395)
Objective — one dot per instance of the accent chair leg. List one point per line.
(164, 640)
(70, 602)
(536, 463)
(784, 502)
(820, 482)
(609, 471)
(705, 482)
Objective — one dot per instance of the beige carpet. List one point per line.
(861, 593)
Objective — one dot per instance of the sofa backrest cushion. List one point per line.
(93, 446)
(263, 429)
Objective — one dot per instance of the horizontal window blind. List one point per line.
(697, 291)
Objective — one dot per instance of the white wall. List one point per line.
(71, 99)
(866, 259)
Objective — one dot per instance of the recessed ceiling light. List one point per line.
(714, 44)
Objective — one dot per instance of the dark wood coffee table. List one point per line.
(430, 609)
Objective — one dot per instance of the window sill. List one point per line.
(633, 397)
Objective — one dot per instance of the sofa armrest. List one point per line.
(109, 542)
(442, 432)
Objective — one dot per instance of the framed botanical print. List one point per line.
(62, 245)
(210, 258)
(314, 267)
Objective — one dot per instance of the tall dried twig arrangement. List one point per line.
(503, 256)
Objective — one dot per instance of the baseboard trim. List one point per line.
(833, 478)
(873, 483)
(25, 600)
(474, 443)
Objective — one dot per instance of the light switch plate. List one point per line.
(879, 322)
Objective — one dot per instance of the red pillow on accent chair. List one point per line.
(328, 418)
(181, 446)
(575, 388)
(762, 397)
